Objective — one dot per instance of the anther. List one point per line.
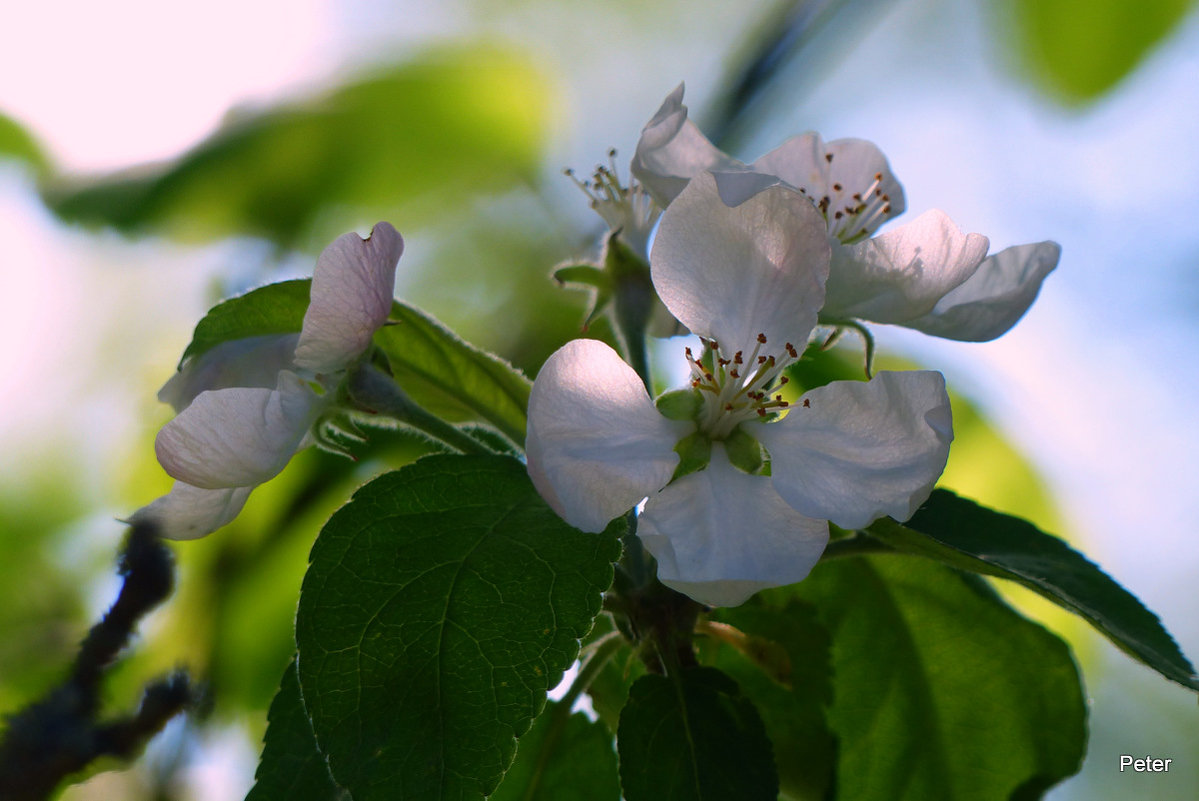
(807, 404)
(791, 351)
(836, 187)
(828, 157)
(762, 338)
(737, 357)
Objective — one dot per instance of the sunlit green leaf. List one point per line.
(940, 691)
(693, 737)
(291, 766)
(404, 141)
(1079, 49)
(963, 534)
(576, 762)
(17, 143)
(439, 606)
(271, 309)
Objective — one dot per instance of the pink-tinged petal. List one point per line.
(238, 437)
(903, 273)
(838, 170)
(188, 513)
(995, 297)
(732, 273)
(672, 151)
(596, 445)
(852, 452)
(352, 290)
(721, 535)
(249, 362)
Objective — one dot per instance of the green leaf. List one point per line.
(451, 377)
(574, 763)
(693, 737)
(18, 143)
(439, 606)
(291, 766)
(940, 690)
(1079, 49)
(965, 535)
(271, 309)
(408, 140)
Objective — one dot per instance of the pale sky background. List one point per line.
(1097, 384)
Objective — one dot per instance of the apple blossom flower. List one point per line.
(230, 437)
(749, 280)
(927, 274)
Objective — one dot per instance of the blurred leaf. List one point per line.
(1079, 49)
(609, 690)
(272, 309)
(439, 606)
(448, 375)
(693, 737)
(965, 535)
(940, 691)
(17, 143)
(291, 766)
(576, 763)
(414, 137)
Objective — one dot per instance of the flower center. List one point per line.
(737, 388)
(853, 216)
(629, 210)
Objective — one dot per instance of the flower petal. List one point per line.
(733, 273)
(672, 150)
(188, 513)
(596, 444)
(837, 170)
(238, 437)
(352, 290)
(720, 535)
(249, 362)
(995, 297)
(852, 452)
(902, 274)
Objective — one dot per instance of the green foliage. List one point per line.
(940, 691)
(1079, 49)
(693, 737)
(17, 143)
(963, 534)
(574, 763)
(272, 309)
(413, 137)
(439, 606)
(449, 376)
(291, 766)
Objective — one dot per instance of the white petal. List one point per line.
(672, 150)
(187, 512)
(249, 362)
(852, 452)
(902, 274)
(995, 297)
(721, 535)
(238, 437)
(733, 273)
(352, 290)
(803, 161)
(596, 444)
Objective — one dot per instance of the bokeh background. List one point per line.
(155, 158)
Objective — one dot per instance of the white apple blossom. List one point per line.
(247, 406)
(926, 274)
(749, 280)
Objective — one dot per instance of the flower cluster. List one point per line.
(246, 406)
(749, 279)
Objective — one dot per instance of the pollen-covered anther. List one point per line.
(794, 354)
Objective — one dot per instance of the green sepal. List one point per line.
(695, 451)
(585, 274)
(680, 404)
(744, 451)
(620, 261)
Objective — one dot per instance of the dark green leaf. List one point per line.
(271, 309)
(439, 606)
(406, 140)
(567, 758)
(291, 765)
(693, 737)
(940, 690)
(452, 377)
(1078, 49)
(965, 535)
